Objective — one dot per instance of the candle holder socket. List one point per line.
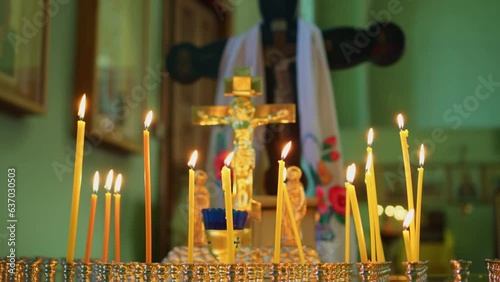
(374, 271)
(460, 270)
(416, 271)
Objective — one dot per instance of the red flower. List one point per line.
(336, 196)
(322, 206)
(219, 162)
(334, 155)
(332, 140)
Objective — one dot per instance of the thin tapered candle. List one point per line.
(295, 229)
(117, 196)
(279, 204)
(77, 181)
(403, 134)
(107, 215)
(347, 257)
(351, 171)
(191, 164)
(93, 204)
(407, 236)
(228, 203)
(371, 210)
(418, 210)
(378, 238)
(147, 186)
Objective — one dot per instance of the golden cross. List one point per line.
(243, 116)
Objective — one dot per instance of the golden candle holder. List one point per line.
(84, 271)
(416, 271)
(217, 243)
(374, 271)
(493, 267)
(68, 270)
(460, 270)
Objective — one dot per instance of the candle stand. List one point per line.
(493, 266)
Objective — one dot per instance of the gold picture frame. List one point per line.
(112, 70)
(24, 30)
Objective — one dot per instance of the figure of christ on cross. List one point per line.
(243, 116)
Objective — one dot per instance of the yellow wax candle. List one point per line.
(93, 204)
(371, 214)
(107, 215)
(117, 196)
(228, 202)
(347, 257)
(295, 229)
(147, 187)
(418, 210)
(372, 209)
(376, 225)
(279, 204)
(77, 181)
(403, 135)
(191, 164)
(407, 236)
(351, 171)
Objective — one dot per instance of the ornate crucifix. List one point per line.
(243, 116)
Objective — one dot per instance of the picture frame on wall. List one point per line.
(112, 70)
(24, 32)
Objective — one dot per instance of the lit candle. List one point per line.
(107, 215)
(371, 207)
(191, 164)
(351, 171)
(77, 181)
(295, 229)
(93, 205)
(117, 196)
(279, 203)
(147, 187)
(228, 203)
(406, 234)
(403, 134)
(418, 211)
(347, 257)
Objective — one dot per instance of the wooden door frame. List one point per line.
(167, 196)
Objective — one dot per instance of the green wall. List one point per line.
(32, 144)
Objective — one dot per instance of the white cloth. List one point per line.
(318, 118)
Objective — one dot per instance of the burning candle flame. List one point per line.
(109, 181)
(401, 121)
(118, 183)
(228, 159)
(351, 172)
(286, 149)
(370, 137)
(408, 219)
(81, 109)
(148, 120)
(95, 188)
(369, 161)
(422, 155)
(192, 160)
